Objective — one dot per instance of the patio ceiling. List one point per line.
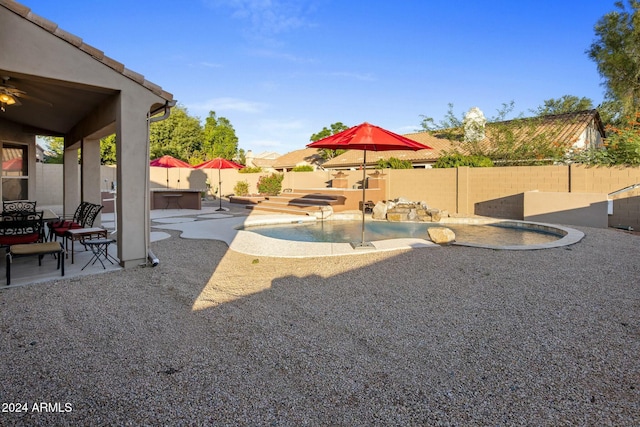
(52, 107)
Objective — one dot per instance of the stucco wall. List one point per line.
(586, 209)
(496, 192)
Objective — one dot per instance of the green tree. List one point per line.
(452, 127)
(616, 53)
(517, 141)
(108, 150)
(564, 104)
(241, 158)
(449, 128)
(623, 143)
(55, 152)
(179, 135)
(220, 138)
(334, 128)
(622, 146)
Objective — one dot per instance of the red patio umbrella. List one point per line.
(13, 165)
(367, 137)
(219, 163)
(167, 162)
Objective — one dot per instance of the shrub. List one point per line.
(241, 188)
(456, 160)
(302, 168)
(270, 185)
(248, 169)
(394, 163)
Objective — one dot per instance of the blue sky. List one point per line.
(282, 70)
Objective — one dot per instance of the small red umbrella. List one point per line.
(219, 163)
(167, 162)
(367, 137)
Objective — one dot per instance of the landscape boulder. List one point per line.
(379, 211)
(441, 235)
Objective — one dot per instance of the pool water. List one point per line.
(351, 231)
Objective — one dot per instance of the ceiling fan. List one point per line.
(10, 95)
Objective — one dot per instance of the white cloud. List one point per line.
(229, 104)
(267, 53)
(266, 16)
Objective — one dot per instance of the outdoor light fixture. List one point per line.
(7, 99)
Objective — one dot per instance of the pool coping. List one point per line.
(570, 236)
(226, 229)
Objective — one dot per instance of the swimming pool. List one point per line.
(337, 231)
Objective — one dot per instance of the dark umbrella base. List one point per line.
(361, 245)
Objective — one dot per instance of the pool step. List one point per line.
(300, 199)
(299, 203)
(277, 209)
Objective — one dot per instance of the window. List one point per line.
(15, 172)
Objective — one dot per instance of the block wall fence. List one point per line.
(495, 192)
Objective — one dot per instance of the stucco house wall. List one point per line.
(94, 96)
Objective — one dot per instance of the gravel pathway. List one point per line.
(450, 336)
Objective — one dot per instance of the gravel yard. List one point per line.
(445, 336)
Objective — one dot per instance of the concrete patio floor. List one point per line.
(25, 271)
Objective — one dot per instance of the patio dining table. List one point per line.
(47, 214)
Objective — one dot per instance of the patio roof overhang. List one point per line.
(53, 107)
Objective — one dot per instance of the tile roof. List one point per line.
(563, 128)
(354, 158)
(294, 158)
(76, 41)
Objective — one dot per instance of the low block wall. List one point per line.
(586, 209)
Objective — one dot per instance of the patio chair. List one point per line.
(12, 206)
(86, 220)
(74, 221)
(21, 228)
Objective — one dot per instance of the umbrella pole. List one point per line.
(364, 196)
(220, 190)
(363, 244)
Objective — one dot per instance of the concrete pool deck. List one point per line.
(454, 336)
(224, 226)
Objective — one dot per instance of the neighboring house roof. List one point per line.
(263, 160)
(305, 156)
(573, 130)
(570, 130)
(267, 155)
(97, 54)
(354, 158)
(262, 163)
(579, 129)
